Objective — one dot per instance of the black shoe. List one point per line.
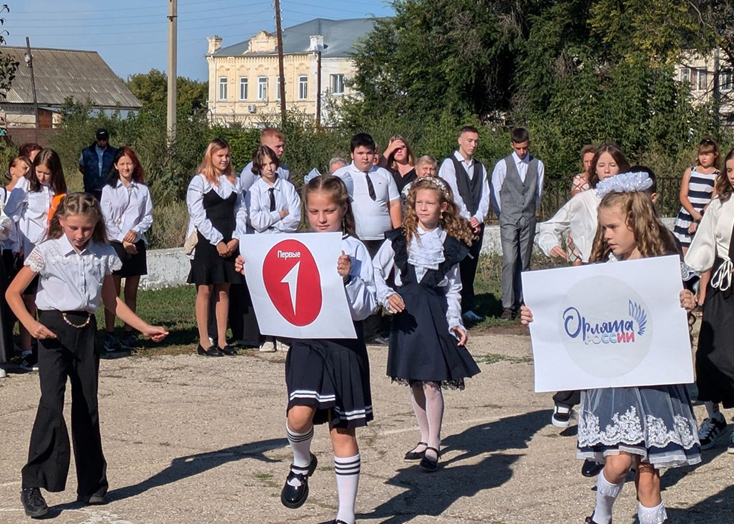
(29, 363)
(507, 314)
(428, 464)
(33, 502)
(95, 499)
(295, 496)
(591, 468)
(416, 455)
(228, 350)
(378, 340)
(561, 417)
(213, 351)
(590, 520)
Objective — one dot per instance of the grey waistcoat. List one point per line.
(517, 199)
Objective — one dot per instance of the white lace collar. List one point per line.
(426, 248)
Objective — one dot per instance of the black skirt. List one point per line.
(715, 355)
(132, 265)
(332, 376)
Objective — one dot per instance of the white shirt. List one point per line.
(448, 173)
(198, 187)
(127, 208)
(8, 236)
(247, 177)
(712, 240)
(372, 217)
(579, 216)
(69, 280)
(29, 210)
(361, 293)
(384, 262)
(500, 173)
(261, 219)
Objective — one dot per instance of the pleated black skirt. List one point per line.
(715, 354)
(333, 376)
(132, 265)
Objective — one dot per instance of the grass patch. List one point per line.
(493, 358)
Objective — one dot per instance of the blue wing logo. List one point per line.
(639, 315)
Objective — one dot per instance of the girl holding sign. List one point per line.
(428, 339)
(647, 427)
(328, 380)
(712, 248)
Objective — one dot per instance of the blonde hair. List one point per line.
(652, 237)
(207, 168)
(450, 220)
(79, 205)
(391, 163)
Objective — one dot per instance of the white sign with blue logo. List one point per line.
(609, 325)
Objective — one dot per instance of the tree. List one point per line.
(152, 90)
(8, 66)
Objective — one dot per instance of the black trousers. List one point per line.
(468, 271)
(242, 319)
(567, 399)
(72, 355)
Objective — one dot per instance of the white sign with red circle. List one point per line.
(295, 288)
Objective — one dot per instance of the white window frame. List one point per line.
(302, 87)
(686, 75)
(223, 88)
(244, 87)
(337, 84)
(726, 80)
(277, 88)
(702, 82)
(262, 87)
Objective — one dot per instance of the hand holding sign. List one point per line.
(295, 289)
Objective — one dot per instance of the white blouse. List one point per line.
(127, 208)
(71, 280)
(198, 187)
(7, 226)
(261, 219)
(712, 240)
(579, 216)
(360, 288)
(29, 210)
(422, 255)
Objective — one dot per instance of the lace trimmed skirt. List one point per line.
(656, 423)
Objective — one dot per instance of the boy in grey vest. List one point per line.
(468, 181)
(517, 185)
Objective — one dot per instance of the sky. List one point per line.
(132, 35)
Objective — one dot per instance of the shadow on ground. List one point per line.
(432, 494)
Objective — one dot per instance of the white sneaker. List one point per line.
(561, 417)
(3, 373)
(281, 346)
(268, 346)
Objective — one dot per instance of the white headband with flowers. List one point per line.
(624, 183)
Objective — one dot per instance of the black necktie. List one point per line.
(370, 187)
(272, 198)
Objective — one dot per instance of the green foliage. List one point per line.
(152, 90)
(8, 66)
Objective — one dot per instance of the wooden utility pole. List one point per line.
(318, 88)
(29, 62)
(281, 68)
(172, 73)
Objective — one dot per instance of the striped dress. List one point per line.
(700, 188)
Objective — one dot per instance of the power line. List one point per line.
(119, 9)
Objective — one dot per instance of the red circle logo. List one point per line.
(293, 282)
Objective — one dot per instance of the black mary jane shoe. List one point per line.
(591, 468)
(416, 455)
(294, 497)
(428, 464)
(213, 351)
(228, 350)
(590, 520)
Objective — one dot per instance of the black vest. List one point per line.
(469, 190)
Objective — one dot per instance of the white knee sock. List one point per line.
(434, 411)
(712, 410)
(656, 515)
(419, 408)
(301, 447)
(347, 482)
(606, 494)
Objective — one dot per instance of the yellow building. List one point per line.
(244, 83)
(710, 78)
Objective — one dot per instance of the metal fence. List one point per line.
(557, 192)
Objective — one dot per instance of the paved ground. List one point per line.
(193, 440)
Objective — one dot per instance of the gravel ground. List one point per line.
(194, 440)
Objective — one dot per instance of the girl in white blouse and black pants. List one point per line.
(128, 213)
